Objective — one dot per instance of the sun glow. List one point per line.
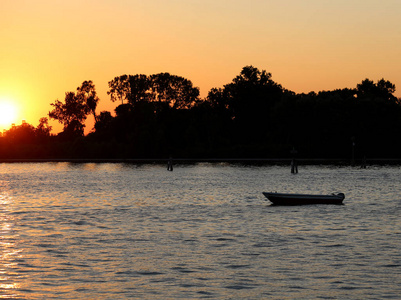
(8, 114)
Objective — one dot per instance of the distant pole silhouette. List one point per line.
(363, 166)
(170, 164)
(294, 163)
(353, 151)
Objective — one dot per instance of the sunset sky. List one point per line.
(49, 47)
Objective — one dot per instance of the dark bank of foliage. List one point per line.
(162, 115)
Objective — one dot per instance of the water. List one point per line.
(118, 231)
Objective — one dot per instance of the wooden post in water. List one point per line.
(363, 166)
(170, 164)
(353, 151)
(294, 163)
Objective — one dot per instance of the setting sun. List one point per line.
(8, 114)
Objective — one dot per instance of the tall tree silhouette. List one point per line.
(119, 88)
(87, 92)
(73, 112)
(249, 99)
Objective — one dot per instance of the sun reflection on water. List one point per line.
(9, 251)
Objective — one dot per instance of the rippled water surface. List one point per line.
(117, 231)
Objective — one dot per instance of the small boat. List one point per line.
(302, 199)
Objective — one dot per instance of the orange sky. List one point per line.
(49, 47)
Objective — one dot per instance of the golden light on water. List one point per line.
(9, 252)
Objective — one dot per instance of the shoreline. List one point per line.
(267, 161)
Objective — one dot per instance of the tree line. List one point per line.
(163, 115)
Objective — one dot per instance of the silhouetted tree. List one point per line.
(132, 88)
(103, 121)
(218, 99)
(162, 89)
(73, 112)
(140, 88)
(383, 90)
(21, 134)
(173, 90)
(249, 101)
(43, 129)
(252, 91)
(89, 96)
(119, 88)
